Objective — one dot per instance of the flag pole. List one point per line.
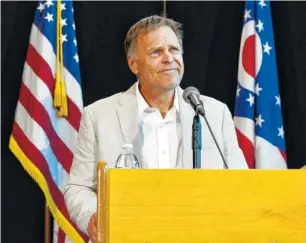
(47, 224)
(164, 8)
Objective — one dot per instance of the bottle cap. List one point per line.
(127, 146)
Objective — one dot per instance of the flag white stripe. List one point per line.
(44, 48)
(38, 137)
(55, 232)
(246, 127)
(274, 160)
(39, 89)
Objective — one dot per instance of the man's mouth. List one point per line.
(170, 70)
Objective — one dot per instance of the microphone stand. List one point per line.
(196, 141)
(213, 136)
(196, 131)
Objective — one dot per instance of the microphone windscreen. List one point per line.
(188, 91)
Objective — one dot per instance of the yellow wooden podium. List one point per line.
(201, 206)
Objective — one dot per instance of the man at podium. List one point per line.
(152, 115)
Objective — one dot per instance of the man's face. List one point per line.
(158, 60)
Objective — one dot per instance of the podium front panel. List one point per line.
(199, 206)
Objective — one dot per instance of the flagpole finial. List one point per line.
(164, 8)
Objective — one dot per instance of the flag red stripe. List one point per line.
(61, 236)
(74, 114)
(247, 147)
(38, 113)
(42, 69)
(284, 155)
(36, 157)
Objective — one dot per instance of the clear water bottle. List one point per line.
(127, 159)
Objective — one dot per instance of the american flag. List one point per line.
(49, 108)
(258, 115)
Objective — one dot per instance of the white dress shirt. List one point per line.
(160, 137)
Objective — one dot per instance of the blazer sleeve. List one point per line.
(232, 152)
(80, 191)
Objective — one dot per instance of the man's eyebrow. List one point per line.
(176, 46)
(155, 47)
(158, 47)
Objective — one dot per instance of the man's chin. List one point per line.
(172, 84)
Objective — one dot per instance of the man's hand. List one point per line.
(92, 228)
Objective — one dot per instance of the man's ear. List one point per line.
(132, 65)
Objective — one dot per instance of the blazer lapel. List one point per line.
(186, 116)
(128, 119)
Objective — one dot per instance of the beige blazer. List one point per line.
(109, 123)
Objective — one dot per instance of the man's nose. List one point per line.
(168, 57)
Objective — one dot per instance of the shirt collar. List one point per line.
(143, 105)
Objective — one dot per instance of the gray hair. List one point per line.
(146, 25)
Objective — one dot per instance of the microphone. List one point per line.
(192, 96)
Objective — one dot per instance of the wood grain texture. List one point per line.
(101, 197)
(199, 206)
